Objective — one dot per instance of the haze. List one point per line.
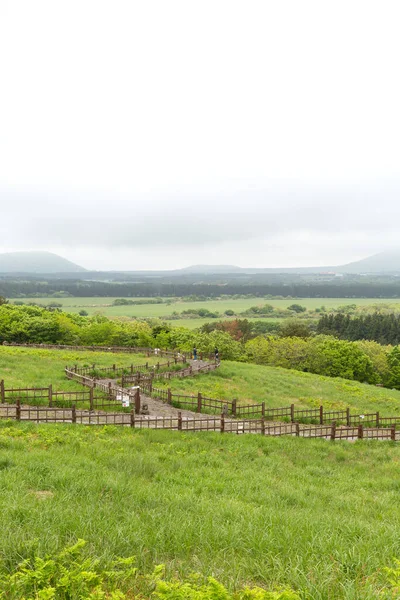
(139, 135)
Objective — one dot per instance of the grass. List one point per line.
(29, 367)
(279, 387)
(318, 517)
(94, 305)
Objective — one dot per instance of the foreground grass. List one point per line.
(280, 387)
(317, 517)
(29, 367)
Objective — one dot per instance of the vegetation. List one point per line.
(324, 355)
(277, 387)
(304, 515)
(383, 328)
(31, 367)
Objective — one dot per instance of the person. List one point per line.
(216, 353)
(194, 353)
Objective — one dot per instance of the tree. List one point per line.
(297, 308)
(294, 328)
(3, 300)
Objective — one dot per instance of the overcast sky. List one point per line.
(145, 134)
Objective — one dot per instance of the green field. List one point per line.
(28, 367)
(23, 367)
(317, 517)
(103, 306)
(279, 387)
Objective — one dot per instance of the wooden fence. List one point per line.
(202, 404)
(38, 414)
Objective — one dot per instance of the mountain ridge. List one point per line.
(36, 262)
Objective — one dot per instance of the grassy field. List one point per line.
(28, 367)
(103, 306)
(23, 367)
(279, 387)
(318, 517)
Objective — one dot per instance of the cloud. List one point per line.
(37, 219)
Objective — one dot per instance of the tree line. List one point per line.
(81, 288)
(382, 328)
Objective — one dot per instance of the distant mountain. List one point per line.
(384, 262)
(36, 262)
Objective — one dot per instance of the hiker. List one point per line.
(216, 354)
(194, 353)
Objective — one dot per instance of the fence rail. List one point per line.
(38, 414)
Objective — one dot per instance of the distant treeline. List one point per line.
(81, 288)
(381, 328)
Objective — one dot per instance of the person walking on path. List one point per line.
(194, 353)
(216, 354)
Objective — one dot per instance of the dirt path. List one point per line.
(157, 408)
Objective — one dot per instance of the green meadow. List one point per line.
(93, 305)
(31, 367)
(279, 387)
(28, 367)
(319, 518)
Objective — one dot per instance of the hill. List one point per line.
(384, 262)
(310, 515)
(36, 262)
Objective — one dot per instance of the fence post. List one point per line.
(348, 417)
(321, 415)
(158, 366)
(132, 368)
(292, 413)
(263, 426)
(393, 433)
(297, 429)
(360, 432)
(199, 402)
(377, 419)
(151, 386)
(109, 389)
(76, 368)
(73, 413)
(137, 401)
(91, 398)
(114, 367)
(222, 422)
(93, 383)
(122, 380)
(333, 431)
(263, 409)
(2, 392)
(169, 396)
(18, 409)
(234, 407)
(132, 418)
(179, 421)
(50, 395)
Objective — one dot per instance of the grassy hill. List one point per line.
(36, 262)
(248, 383)
(280, 387)
(247, 510)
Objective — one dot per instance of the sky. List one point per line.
(159, 134)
